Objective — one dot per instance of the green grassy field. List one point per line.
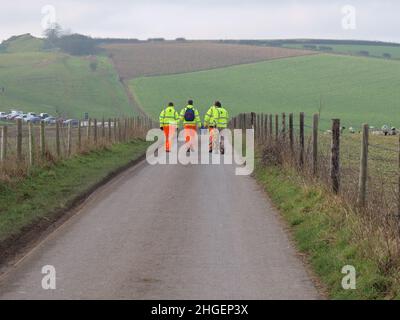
(374, 51)
(354, 89)
(61, 85)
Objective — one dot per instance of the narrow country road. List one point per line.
(168, 232)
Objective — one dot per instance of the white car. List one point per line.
(73, 122)
(50, 120)
(32, 118)
(3, 115)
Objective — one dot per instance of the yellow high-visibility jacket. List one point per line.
(169, 117)
(197, 120)
(223, 118)
(210, 117)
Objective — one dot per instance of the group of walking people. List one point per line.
(216, 119)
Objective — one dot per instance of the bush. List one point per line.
(77, 44)
(93, 65)
(74, 44)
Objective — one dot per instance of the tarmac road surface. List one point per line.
(168, 232)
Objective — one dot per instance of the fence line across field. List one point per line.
(332, 161)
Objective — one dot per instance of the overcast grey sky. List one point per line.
(207, 19)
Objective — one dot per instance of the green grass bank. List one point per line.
(47, 191)
(331, 236)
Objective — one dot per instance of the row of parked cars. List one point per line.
(32, 117)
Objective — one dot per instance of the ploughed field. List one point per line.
(173, 57)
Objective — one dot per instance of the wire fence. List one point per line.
(362, 168)
(27, 145)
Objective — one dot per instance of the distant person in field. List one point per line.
(191, 121)
(169, 120)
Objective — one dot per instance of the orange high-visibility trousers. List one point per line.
(211, 132)
(190, 134)
(169, 131)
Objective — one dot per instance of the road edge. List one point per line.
(15, 247)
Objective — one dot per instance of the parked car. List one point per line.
(32, 119)
(3, 115)
(19, 117)
(44, 116)
(73, 122)
(13, 114)
(50, 120)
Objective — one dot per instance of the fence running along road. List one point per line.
(25, 145)
(362, 168)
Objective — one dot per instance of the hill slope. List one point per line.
(354, 89)
(61, 84)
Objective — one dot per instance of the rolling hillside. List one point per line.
(61, 84)
(354, 89)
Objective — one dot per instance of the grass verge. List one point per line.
(328, 232)
(38, 200)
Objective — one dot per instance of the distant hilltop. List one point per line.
(22, 43)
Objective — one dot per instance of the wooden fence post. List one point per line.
(276, 127)
(109, 130)
(58, 145)
(3, 153)
(119, 130)
(42, 140)
(95, 131)
(79, 135)
(103, 130)
(291, 133)
(253, 121)
(89, 129)
(31, 144)
(283, 127)
(115, 130)
(19, 139)
(362, 185)
(126, 129)
(301, 160)
(315, 143)
(265, 130)
(69, 141)
(271, 130)
(335, 156)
